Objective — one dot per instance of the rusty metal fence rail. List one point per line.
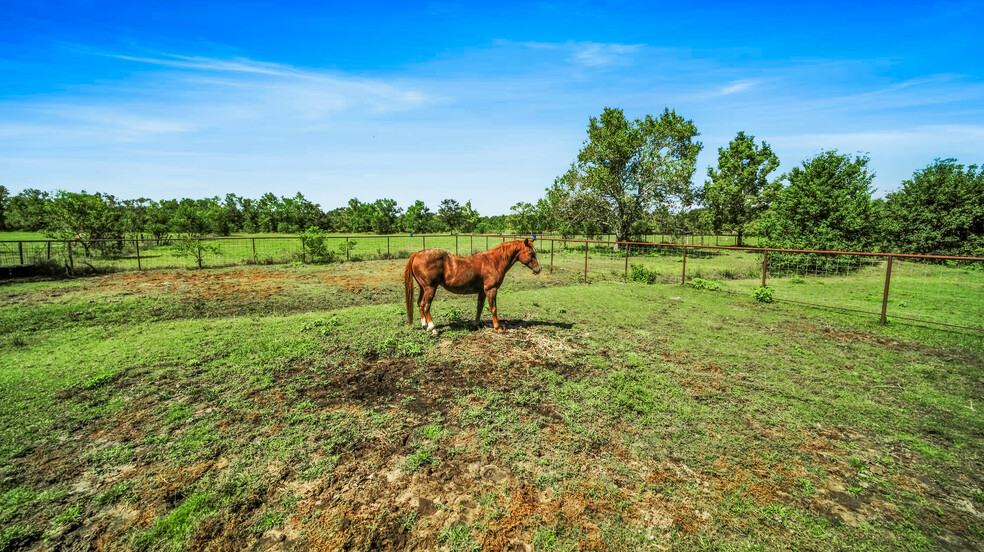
(926, 288)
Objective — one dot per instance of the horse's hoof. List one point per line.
(434, 333)
(500, 329)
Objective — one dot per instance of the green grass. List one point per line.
(612, 415)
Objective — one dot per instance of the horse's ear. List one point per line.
(527, 241)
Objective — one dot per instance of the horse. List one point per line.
(482, 274)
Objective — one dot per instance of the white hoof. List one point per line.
(434, 333)
(430, 326)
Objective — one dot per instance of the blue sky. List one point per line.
(443, 100)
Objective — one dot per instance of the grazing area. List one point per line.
(292, 408)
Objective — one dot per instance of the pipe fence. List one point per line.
(936, 289)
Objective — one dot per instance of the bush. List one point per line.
(642, 275)
(765, 294)
(314, 242)
(700, 283)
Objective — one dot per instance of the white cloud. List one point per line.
(596, 54)
(736, 86)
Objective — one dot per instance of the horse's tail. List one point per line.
(408, 287)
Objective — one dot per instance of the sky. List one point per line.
(483, 102)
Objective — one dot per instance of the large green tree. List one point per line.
(739, 189)
(451, 215)
(825, 206)
(25, 211)
(86, 218)
(628, 168)
(417, 218)
(4, 196)
(939, 211)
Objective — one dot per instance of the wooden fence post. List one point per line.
(551, 255)
(137, 244)
(888, 280)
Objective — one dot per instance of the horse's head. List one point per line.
(527, 256)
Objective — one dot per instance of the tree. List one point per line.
(940, 211)
(385, 216)
(4, 196)
(417, 218)
(631, 167)
(83, 217)
(470, 218)
(451, 215)
(25, 211)
(826, 206)
(739, 191)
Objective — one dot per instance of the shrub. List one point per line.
(642, 275)
(764, 294)
(314, 242)
(700, 283)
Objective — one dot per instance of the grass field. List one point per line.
(293, 408)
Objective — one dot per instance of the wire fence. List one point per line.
(926, 288)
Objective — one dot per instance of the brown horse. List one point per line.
(481, 274)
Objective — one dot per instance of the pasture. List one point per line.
(292, 408)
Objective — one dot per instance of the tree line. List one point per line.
(630, 178)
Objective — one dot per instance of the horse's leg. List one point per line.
(495, 313)
(426, 308)
(481, 305)
(420, 306)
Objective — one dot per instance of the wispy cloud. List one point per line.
(736, 86)
(586, 53)
(595, 54)
(195, 94)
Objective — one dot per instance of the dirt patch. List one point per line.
(201, 285)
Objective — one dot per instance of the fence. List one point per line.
(926, 288)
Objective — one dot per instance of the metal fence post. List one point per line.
(20, 249)
(71, 258)
(423, 242)
(387, 246)
(303, 251)
(551, 255)
(626, 262)
(456, 244)
(888, 280)
(199, 242)
(683, 278)
(585, 261)
(346, 248)
(471, 245)
(49, 250)
(765, 265)
(486, 243)
(254, 249)
(137, 244)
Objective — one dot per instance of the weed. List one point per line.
(116, 493)
(700, 283)
(409, 520)
(457, 538)
(173, 530)
(69, 515)
(642, 275)
(764, 294)
(423, 457)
